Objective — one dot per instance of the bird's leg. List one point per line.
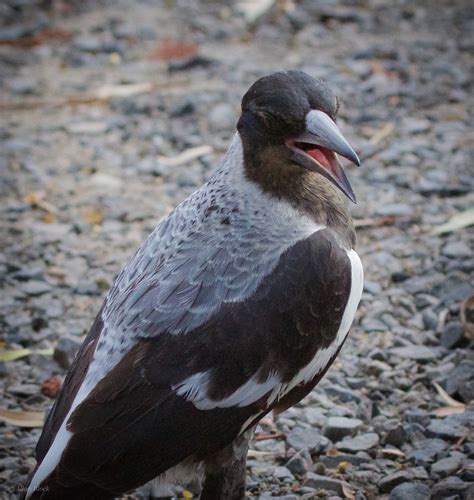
(225, 471)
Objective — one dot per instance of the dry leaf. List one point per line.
(94, 216)
(332, 452)
(348, 492)
(448, 410)
(126, 90)
(382, 133)
(185, 156)
(27, 42)
(457, 221)
(447, 397)
(256, 454)
(13, 354)
(22, 418)
(168, 50)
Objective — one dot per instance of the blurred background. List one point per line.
(112, 112)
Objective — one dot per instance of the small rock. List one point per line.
(418, 416)
(22, 86)
(222, 117)
(337, 428)
(282, 472)
(362, 442)
(311, 439)
(445, 467)
(411, 491)
(415, 352)
(396, 435)
(449, 487)
(389, 482)
(446, 429)
(456, 249)
(87, 128)
(65, 351)
(399, 209)
(426, 451)
(300, 463)
(452, 334)
(322, 482)
(35, 288)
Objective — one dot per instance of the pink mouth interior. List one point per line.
(325, 157)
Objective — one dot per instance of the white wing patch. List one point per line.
(196, 390)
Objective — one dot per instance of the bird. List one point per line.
(234, 306)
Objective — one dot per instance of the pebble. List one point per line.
(322, 482)
(300, 463)
(66, 350)
(363, 442)
(337, 428)
(456, 250)
(388, 482)
(410, 491)
(451, 487)
(445, 467)
(452, 334)
(415, 352)
(310, 439)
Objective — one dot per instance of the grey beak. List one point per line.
(322, 131)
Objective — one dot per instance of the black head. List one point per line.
(292, 111)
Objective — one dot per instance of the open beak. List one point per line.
(318, 147)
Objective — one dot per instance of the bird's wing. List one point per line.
(189, 395)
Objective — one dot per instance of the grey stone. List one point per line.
(448, 487)
(343, 394)
(282, 472)
(430, 319)
(36, 287)
(457, 381)
(300, 463)
(388, 482)
(418, 416)
(310, 439)
(23, 85)
(446, 429)
(400, 209)
(374, 325)
(456, 250)
(410, 491)
(222, 117)
(445, 467)
(337, 428)
(362, 442)
(426, 451)
(415, 352)
(322, 482)
(452, 334)
(396, 435)
(65, 351)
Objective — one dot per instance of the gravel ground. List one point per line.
(99, 102)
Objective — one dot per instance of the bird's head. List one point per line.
(293, 115)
